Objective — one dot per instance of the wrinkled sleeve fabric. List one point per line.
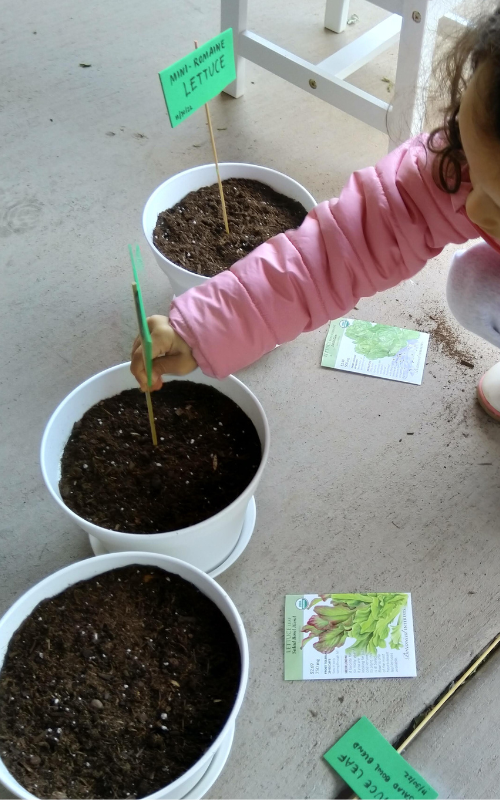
(386, 224)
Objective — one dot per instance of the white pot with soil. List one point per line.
(93, 699)
(175, 189)
(206, 539)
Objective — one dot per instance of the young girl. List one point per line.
(388, 221)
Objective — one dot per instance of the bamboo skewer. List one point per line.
(444, 699)
(449, 693)
(148, 393)
(151, 417)
(221, 191)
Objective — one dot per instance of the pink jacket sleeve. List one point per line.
(388, 221)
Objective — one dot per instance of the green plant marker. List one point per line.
(147, 344)
(144, 333)
(195, 79)
(373, 768)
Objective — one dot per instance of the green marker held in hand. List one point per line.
(144, 334)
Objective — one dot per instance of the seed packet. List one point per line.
(383, 351)
(358, 635)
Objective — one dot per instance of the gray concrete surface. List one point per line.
(349, 501)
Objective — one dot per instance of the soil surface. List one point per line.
(116, 686)
(192, 233)
(208, 452)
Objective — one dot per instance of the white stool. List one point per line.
(413, 22)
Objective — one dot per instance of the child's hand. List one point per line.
(171, 354)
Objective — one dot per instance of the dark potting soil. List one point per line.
(208, 452)
(116, 686)
(192, 233)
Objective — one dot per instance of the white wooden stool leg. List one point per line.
(416, 50)
(336, 12)
(234, 15)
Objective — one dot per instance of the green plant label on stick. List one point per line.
(147, 344)
(195, 79)
(360, 635)
(373, 768)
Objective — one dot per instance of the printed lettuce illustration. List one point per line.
(378, 341)
(396, 642)
(369, 618)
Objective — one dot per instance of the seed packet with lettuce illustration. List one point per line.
(372, 349)
(349, 636)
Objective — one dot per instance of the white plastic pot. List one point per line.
(178, 186)
(206, 544)
(83, 570)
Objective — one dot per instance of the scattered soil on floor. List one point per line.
(448, 340)
(116, 686)
(192, 233)
(208, 452)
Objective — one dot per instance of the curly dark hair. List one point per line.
(477, 44)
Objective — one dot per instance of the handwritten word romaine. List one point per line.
(195, 79)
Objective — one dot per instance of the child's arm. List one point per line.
(388, 221)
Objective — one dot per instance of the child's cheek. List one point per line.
(483, 212)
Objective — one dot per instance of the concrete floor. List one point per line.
(348, 502)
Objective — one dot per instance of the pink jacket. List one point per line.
(386, 224)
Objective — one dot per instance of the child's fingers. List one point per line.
(157, 384)
(137, 367)
(165, 365)
(179, 364)
(137, 343)
(138, 370)
(162, 335)
(171, 355)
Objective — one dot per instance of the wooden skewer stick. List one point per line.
(148, 393)
(448, 694)
(221, 191)
(151, 418)
(468, 672)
